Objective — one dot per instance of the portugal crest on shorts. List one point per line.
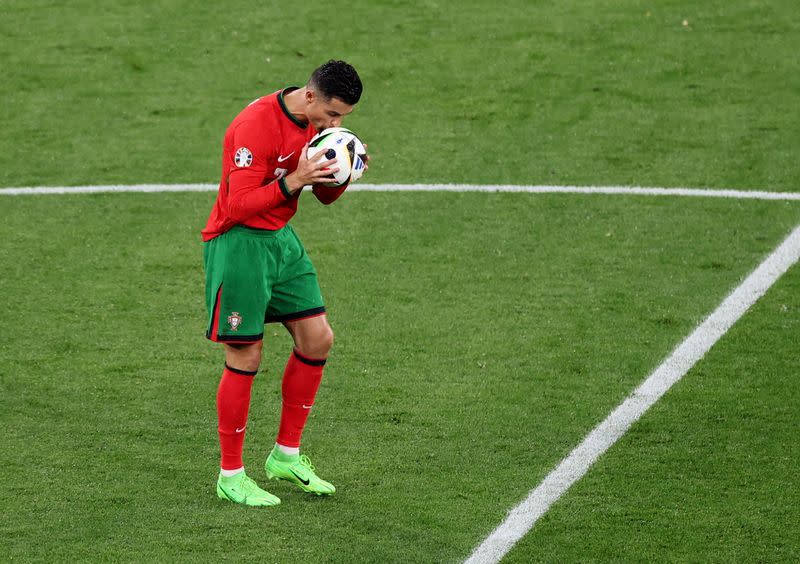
(234, 320)
(243, 157)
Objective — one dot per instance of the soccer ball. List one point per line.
(341, 144)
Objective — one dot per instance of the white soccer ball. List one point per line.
(341, 144)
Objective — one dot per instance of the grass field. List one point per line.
(480, 336)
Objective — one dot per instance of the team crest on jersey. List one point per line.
(234, 320)
(243, 157)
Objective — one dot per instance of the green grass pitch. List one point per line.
(480, 336)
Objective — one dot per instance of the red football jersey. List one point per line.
(261, 146)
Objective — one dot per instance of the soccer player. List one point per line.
(258, 272)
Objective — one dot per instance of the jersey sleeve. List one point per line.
(328, 195)
(249, 191)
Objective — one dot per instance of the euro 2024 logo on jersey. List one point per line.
(234, 320)
(243, 157)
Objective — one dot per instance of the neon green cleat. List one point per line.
(298, 470)
(243, 489)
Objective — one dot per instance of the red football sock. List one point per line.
(233, 402)
(300, 384)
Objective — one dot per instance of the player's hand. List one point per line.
(310, 171)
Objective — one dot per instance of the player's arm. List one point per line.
(247, 197)
(247, 193)
(309, 171)
(328, 195)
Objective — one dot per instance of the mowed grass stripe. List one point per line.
(535, 189)
(524, 516)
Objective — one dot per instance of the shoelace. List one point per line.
(248, 483)
(304, 461)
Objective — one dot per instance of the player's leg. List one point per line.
(236, 315)
(233, 404)
(297, 303)
(244, 356)
(313, 339)
(313, 336)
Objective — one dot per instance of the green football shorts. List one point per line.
(253, 277)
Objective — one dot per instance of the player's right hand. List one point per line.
(310, 171)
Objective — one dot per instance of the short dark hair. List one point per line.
(337, 79)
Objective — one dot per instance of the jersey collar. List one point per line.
(286, 111)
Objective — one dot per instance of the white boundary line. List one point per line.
(626, 190)
(522, 518)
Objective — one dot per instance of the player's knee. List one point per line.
(322, 343)
(326, 340)
(243, 357)
(318, 344)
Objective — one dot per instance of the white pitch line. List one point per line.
(522, 518)
(624, 190)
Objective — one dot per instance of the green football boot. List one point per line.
(298, 470)
(243, 489)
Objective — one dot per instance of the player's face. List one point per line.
(322, 113)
